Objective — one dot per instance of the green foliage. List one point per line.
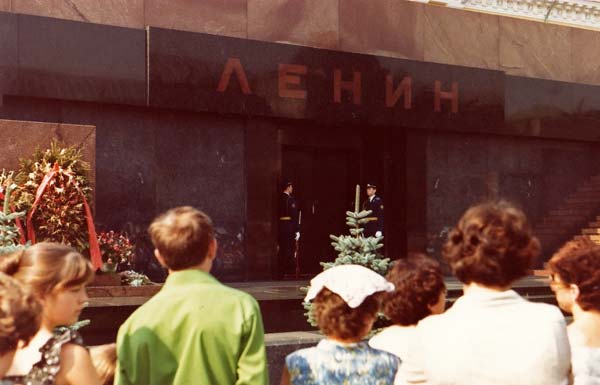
(9, 233)
(354, 249)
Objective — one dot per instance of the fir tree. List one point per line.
(355, 249)
(9, 233)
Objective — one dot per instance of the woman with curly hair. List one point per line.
(419, 292)
(56, 275)
(575, 280)
(491, 335)
(19, 320)
(346, 302)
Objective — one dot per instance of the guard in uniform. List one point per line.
(289, 230)
(373, 228)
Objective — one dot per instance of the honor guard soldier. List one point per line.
(374, 203)
(289, 229)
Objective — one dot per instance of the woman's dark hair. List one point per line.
(491, 245)
(578, 263)
(335, 318)
(419, 282)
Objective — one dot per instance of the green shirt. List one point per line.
(194, 331)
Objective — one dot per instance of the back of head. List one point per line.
(418, 282)
(47, 267)
(182, 236)
(578, 263)
(338, 320)
(491, 245)
(346, 300)
(19, 314)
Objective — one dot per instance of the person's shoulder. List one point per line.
(384, 356)
(382, 339)
(435, 320)
(238, 295)
(542, 310)
(300, 356)
(72, 353)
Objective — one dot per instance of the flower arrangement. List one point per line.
(60, 215)
(117, 251)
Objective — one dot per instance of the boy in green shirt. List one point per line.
(195, 330)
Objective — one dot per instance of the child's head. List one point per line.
(338, 320)
(346, 300)
(420, 290)
(104, 358)
(19, 319)
(56, 275)
(183, 237)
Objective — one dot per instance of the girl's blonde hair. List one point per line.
(45, 268)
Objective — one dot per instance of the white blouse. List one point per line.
(491, 338)
(585, 360)
(396, 340)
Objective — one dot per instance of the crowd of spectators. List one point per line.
(199, 331)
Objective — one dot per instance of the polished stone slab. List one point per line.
(201, 72)
(62, 59)
(20, 139)
(9, 58)
(585, 53)
(382, 27)
(534, 49)
(460, 37)
(228, 18)
(313, 23)
(534, 285)
(125, 13)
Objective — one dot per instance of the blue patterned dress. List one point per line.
(334, 363)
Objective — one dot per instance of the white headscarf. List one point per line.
(353, 283)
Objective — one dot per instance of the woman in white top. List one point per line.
(575, 280)
(491, 335)
(419, 291)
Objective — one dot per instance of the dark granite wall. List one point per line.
(536, 174)
(150, 160)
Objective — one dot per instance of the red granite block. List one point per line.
(382, 27)
(218, 17)
(307, 22)
(125, 13)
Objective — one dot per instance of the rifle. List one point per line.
(296, 249)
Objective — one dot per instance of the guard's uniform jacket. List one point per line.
(376, 218)
(288, 227)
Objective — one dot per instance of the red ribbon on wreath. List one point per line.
(17, 222)
(93, 238)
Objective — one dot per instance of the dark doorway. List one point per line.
(324, 181)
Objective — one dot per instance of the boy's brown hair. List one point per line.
(182, 236)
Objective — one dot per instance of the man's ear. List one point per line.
(160, 258)
(212, 249)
